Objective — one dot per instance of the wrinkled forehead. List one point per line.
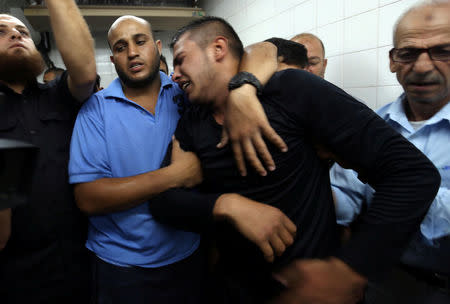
(10, 20)
(425, 23)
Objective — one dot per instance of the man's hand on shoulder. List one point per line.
(245, 125)
(266, 226)
(317, 281)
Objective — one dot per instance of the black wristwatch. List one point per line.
(245, 77)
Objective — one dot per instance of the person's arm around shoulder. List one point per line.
(106, 195)
(245, 121)
(5, 227)
(75, 45)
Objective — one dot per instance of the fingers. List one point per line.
(282, 239)
(263, 152)
(287, 237)
(252, 157)
(255, 151)
(273, 137)
(277, 244)
(290, 226)
(267, 251)
(224, 139)
(239, 158)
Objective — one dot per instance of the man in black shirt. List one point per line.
(305, 110)
(44, 260)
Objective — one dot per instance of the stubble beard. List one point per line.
(140, 83)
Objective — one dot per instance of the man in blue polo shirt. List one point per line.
(119, 140)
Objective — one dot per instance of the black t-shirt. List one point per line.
(303, 109)
(45, 258)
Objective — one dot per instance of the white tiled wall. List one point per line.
(357, 35)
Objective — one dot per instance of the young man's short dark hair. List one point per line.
(293, 53)
(208, 33)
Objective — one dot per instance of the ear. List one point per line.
(159, 46)
(392, 65)
(325, 62)
(112, 59)
(220, 47)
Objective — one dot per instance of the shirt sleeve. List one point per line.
(348, 192)
(351, 194)
(186, 209)
(88, 148)
(436, 223)
(62, 86)
(404, 180)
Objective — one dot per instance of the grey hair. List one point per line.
(417, 6)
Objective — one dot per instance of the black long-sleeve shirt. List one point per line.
(302, 107)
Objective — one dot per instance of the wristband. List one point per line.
(242, 78)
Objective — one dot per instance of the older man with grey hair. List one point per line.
(421, 60)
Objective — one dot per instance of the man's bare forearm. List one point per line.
(75, 45)
(116, 194)
(260, 59)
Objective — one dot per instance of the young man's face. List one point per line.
(193, 70)
(135, 53)
(19, 58)
(424, 80)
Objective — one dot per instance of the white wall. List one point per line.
(105, 68)
(357, 35)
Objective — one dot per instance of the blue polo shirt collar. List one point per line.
(114, 90)
(396, 112)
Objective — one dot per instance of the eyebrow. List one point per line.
(21, 27)
(17, 27)
(135, 36)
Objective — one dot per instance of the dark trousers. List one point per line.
(179, 283)
(403, 287)
(234, 284)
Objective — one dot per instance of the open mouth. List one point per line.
(136, 66)
(185, 85)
